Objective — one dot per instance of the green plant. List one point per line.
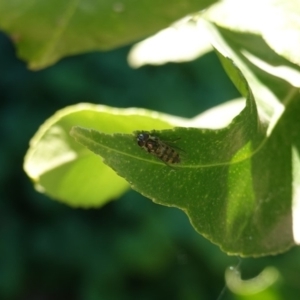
(238, 181)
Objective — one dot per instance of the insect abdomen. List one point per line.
(167, 154)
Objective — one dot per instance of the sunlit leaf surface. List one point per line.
(234, 183)
(68, 172)
(276, 21)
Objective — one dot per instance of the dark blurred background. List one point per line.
(131, 248)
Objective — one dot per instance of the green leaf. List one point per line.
(44, 32)
(70, 173)
(273, 79)
(275, 167)
(178, 43)
(235, 183)
(277, 21)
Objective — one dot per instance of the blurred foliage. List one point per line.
(131, 248)
(46, 32)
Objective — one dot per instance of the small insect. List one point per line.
(155, 146)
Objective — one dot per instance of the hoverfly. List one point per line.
(158, 148)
